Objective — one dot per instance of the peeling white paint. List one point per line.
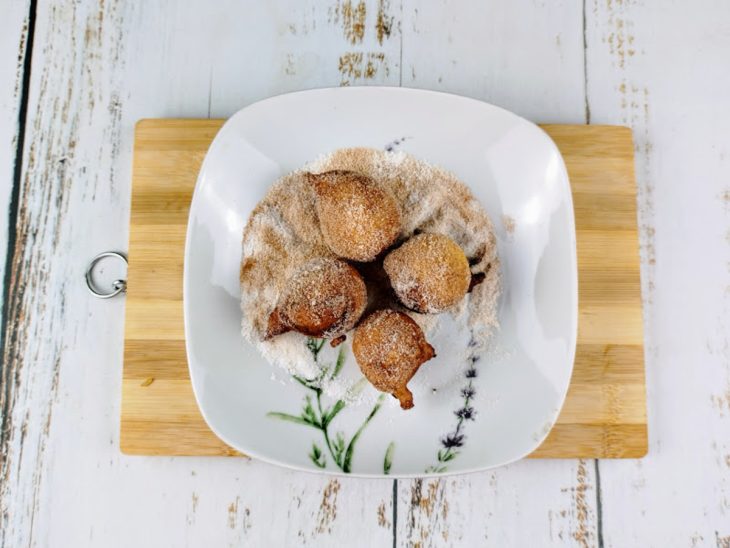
(100, 66)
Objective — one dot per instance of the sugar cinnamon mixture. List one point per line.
(283, 233)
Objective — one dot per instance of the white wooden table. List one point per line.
(75, 75)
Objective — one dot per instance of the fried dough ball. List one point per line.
(324, 298)
(429, 273)
(358, 218)
(389, 348)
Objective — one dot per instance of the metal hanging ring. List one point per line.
(118, 286)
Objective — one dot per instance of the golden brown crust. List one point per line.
(389, 348)
(324, 298)
(358, 218)
(429, 273)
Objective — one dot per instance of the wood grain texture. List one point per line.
(13, 40)
(98, 67)
(663, 71)
(495, 51)
(606, 399)
(13, 51)
(167, 157)
(440, 45)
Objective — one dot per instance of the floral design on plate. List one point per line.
(316, 416)
(452, 442)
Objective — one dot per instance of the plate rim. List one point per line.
(574, 285)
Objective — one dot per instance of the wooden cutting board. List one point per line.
(605, 412)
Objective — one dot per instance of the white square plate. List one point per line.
(512, 167)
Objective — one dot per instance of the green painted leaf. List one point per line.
(291, 418)
(322, 375)
(339, 363)
(388, 460)
(315, 346)
(338, 448)
(446, 456)
(435, 469)
(299, 380)
(317, 456)
(347, 462)
(332, 413)
(308, 412)
(340, 442)
(307, 383)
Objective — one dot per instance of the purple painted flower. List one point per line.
(468, 392)
(453, 440)
(466, 413)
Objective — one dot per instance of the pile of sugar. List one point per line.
(283, 233)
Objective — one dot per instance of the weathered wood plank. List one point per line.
(14, 35)
(545, 503)
(97, 68)
(527, 57)
(662, 68)
(305, 45)
(658, 67)
(13, 40)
